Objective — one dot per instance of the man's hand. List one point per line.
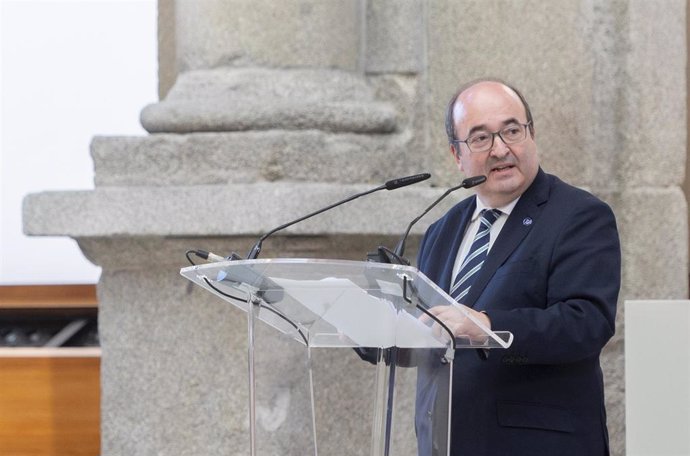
(458, 322)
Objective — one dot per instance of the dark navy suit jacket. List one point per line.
(552, 279)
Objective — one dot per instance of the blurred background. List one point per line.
(68, 69)
(360, 87)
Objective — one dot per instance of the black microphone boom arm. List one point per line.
(466, 183)
(390, 185)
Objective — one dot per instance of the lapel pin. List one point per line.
(527, 221)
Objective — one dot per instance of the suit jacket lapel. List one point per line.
(519, 223)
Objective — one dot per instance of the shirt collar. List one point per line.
(507, 209)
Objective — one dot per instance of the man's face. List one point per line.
(488, 107)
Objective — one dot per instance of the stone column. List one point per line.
(272, 115)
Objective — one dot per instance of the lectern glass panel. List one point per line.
(339, 303)
(361, 367)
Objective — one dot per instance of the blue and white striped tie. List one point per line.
(475, 257)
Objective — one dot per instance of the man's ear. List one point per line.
(455, 152)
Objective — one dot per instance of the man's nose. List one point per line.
(499, 148)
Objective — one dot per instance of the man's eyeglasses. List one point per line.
(483, 141)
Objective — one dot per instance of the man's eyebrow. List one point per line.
(482, 127)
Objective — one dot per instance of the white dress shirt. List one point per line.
(473, 226)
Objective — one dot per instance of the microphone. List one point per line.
(210, 256)
(387, 256)
(390, 185)
(405, 181)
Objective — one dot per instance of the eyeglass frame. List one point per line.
(493, 138)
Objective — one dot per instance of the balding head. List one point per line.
(452, 108)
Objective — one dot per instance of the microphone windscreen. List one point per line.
(405, 181)
(473, 181)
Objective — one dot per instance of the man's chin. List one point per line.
(498, 194)
(504, 181)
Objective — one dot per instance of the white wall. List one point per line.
(69, 70)
(657, 378)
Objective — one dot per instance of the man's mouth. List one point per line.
(501, 168)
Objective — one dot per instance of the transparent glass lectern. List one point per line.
(376, 309)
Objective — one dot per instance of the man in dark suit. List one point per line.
(547, 269)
